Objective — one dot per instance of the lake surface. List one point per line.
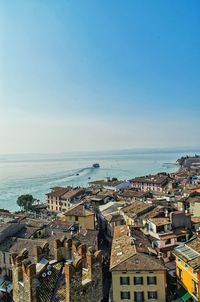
(37, 173)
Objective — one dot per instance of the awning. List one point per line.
(183, 294)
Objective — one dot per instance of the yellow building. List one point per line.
(188, 270)
(80, 215)
(136, 276)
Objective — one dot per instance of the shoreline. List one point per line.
(122, 168)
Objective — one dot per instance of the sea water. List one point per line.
(36, 173)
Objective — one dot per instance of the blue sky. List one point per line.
(98, 75)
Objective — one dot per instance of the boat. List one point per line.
(96, 165)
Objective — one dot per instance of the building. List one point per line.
(132, 212)
(110, 184)
(108, 216)
(168, 231)
(80, 215)
(73, 275)
(136, 276)
(60, 198)
(133, 195)
(188, 270)
(190, 204)
(152, 183)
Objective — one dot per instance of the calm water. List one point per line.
(36, 174)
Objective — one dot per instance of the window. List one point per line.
(138, 280)
(151, 280)
(168, 241)
(76, 218)
(124, 281)
(195, 288)
(152, 295)
(125, 295)
(179, 273)
(139, 296)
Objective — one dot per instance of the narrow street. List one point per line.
(105, 248)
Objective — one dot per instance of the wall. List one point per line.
(5, 263)
(54, 204)
(180, 220)
(187, 276)
(87, 222)
(160, 287)
(195, 208)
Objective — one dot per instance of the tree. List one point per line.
(25, 202)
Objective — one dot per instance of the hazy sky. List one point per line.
(99, 74)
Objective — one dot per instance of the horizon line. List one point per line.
(182, 148)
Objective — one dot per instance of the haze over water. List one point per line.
(36, 173)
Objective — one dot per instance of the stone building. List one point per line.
(136, 275)
(75, 274)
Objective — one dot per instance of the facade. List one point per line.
(60, 198)
(81, 215)
(168, 232)
(152, 183)
(136, 276)
(188, 269)
(190, 204)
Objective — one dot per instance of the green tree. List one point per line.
(25, 202)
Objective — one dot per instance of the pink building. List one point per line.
(154, 183)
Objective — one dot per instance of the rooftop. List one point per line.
(122, 249)
(153, 213)
(127, 256)
(136, 208)
(190, 252)
(78, 210)
(153, 179)
(160, 221)
(65, 193)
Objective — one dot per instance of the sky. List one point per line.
(78, 75)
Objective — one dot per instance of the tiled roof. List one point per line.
(133, 194)
(141, 262)
(58, 192)
(65, 193)
(78, 210)
(160, 221)
(136, 208)
(195, 244)
(126, 257)
(195, 219)
(153, 213)
(152, 179)
(73, 193)
(121, 246)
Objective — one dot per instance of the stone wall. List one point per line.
(76, 270)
